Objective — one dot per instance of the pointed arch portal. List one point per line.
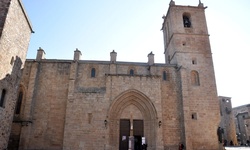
(132, 104)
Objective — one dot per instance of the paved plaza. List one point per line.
(236, 148)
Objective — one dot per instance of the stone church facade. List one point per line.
(93, 105)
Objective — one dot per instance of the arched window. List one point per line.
(131, 72)
(2, 97)
(195, 78)
(93, 72)
(19, 103)
(186, 20)
(164, 76)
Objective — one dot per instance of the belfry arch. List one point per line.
(132, 103)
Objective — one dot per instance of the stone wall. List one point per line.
(68, 107)
(15, 33)
(45, 85)
(227, 120)
(4, 5)
(90, 101)
(15, 36)
(9, 84)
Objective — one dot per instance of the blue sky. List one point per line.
(132, 29)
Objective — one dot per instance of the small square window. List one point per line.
(194, 116)
(194, 61)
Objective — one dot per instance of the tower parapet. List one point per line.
(113, 56)
(40, 54)
(172, 3)
(151, 59)
(77, 55)
(200, 4)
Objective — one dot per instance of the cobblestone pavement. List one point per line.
(235, 148)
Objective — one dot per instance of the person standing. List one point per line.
(181, 146)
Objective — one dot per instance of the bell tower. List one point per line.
(186, 45)
(185, 31)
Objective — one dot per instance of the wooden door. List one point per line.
(125, 133)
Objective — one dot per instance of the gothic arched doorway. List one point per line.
(132, 107)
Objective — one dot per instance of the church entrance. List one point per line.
(135, 128)
(132, 109)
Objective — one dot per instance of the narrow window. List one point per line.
(194, 61)
(90, 116)
(2, 97)
(131, 72)
(93, 72)
(19, 103)
(195, 78)
(164, 76)
(194, 116)
(221, 112)
(12, 60)
(186, 21)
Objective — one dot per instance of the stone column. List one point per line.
(131, 137)
(68, 121)
(29, 104)
(131, 143)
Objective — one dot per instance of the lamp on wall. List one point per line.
(105, 123)
(159, 124)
